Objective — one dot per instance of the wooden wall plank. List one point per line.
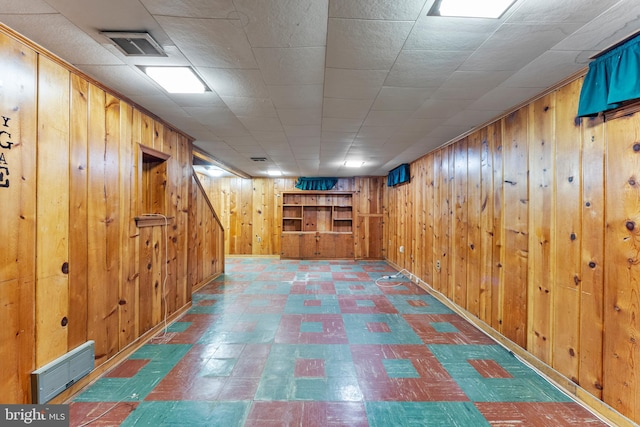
(622, 266)
(474, 241)
(78, 232)
(52, 238)
(497, 276)
(459, 228)
(567, 239)
(541, 218)
(129, 237)
(514, 150)
(103, 233)
(487, 231)
(593, 256)
(18, 115)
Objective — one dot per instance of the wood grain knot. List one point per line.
(636, 147)
(573, 236)
(65, 268)
(570, 179)
(572, 352)
(630, 225)
(592, 264)
(64, 321)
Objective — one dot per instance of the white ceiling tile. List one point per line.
(512, 47)
(398, 10)
(70, 43)
(365, 45)
(353, 84)
(296, 96)
(291, 66)
(222, 9)
(269, 136)
(453, 34)
(123, 79)
(606, 29)
(304, 141)
(254, 107)
(375, 132)
(25, 7)
(284, 23)
(300, 116)
(302, 131)
(578, 11)
(369, 143)
(401, 98)
(549, 68)
(269, 124)
(470, 85)
(472, 118)
(386, 118)
(338, 137)
(504, 98)
(236, 141)
(424, 68)
(210, 42)
(440, 108)
(416, 127)
(331, 124)
(346, 108)
(235, 83)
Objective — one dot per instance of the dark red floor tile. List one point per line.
(489, 368)
(128, 368)
(422, 324)
(106, 414)
(537, 414)
(333, 331)
(353, 304)
(434, 383)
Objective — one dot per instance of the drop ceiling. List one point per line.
(310, 84)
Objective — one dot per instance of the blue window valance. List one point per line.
(316, 183)
(613, 78)
(399, 175)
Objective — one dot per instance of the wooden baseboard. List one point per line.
(67, 395)
(599, 408)
(205, 282)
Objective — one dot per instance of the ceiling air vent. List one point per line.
(258, 159)
(134, 44)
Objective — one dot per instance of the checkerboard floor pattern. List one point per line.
(317, 343)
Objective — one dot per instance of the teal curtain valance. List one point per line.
(612, 78)
(316, 183)
(399, 175)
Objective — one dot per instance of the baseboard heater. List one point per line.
(60, 374)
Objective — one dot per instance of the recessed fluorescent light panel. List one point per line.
(470, 8)
(354, 163)
(274, 173)
(176, 79)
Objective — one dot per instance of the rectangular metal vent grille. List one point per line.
(57, 376)
(135, 44)
(259, 159)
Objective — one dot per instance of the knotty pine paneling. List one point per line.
(18, 165)
(621, 383)
(542, 148)
(551, 204)
(251, 212)
(87, 272)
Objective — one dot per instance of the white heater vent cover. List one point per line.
(134, 44)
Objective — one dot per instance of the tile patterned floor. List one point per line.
(317, 343)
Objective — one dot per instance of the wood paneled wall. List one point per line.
(251, 212)
(532, 225)
(74, 265)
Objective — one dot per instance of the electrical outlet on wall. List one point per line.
(438, 265)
